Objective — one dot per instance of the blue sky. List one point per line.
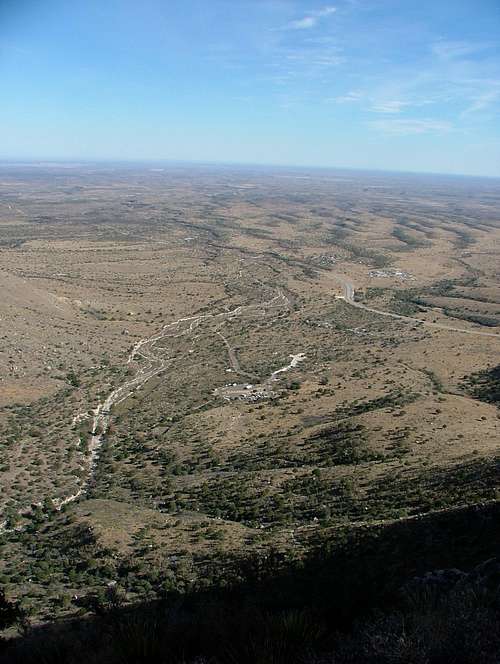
(382, 84)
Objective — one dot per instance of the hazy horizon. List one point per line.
(70, 163)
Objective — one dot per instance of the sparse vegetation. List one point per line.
(223, 469)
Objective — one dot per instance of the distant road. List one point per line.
(348, 297)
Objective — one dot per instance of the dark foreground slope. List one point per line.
(367, 596)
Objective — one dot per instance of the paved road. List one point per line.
(348, 296)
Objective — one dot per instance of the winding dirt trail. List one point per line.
(154, 361)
